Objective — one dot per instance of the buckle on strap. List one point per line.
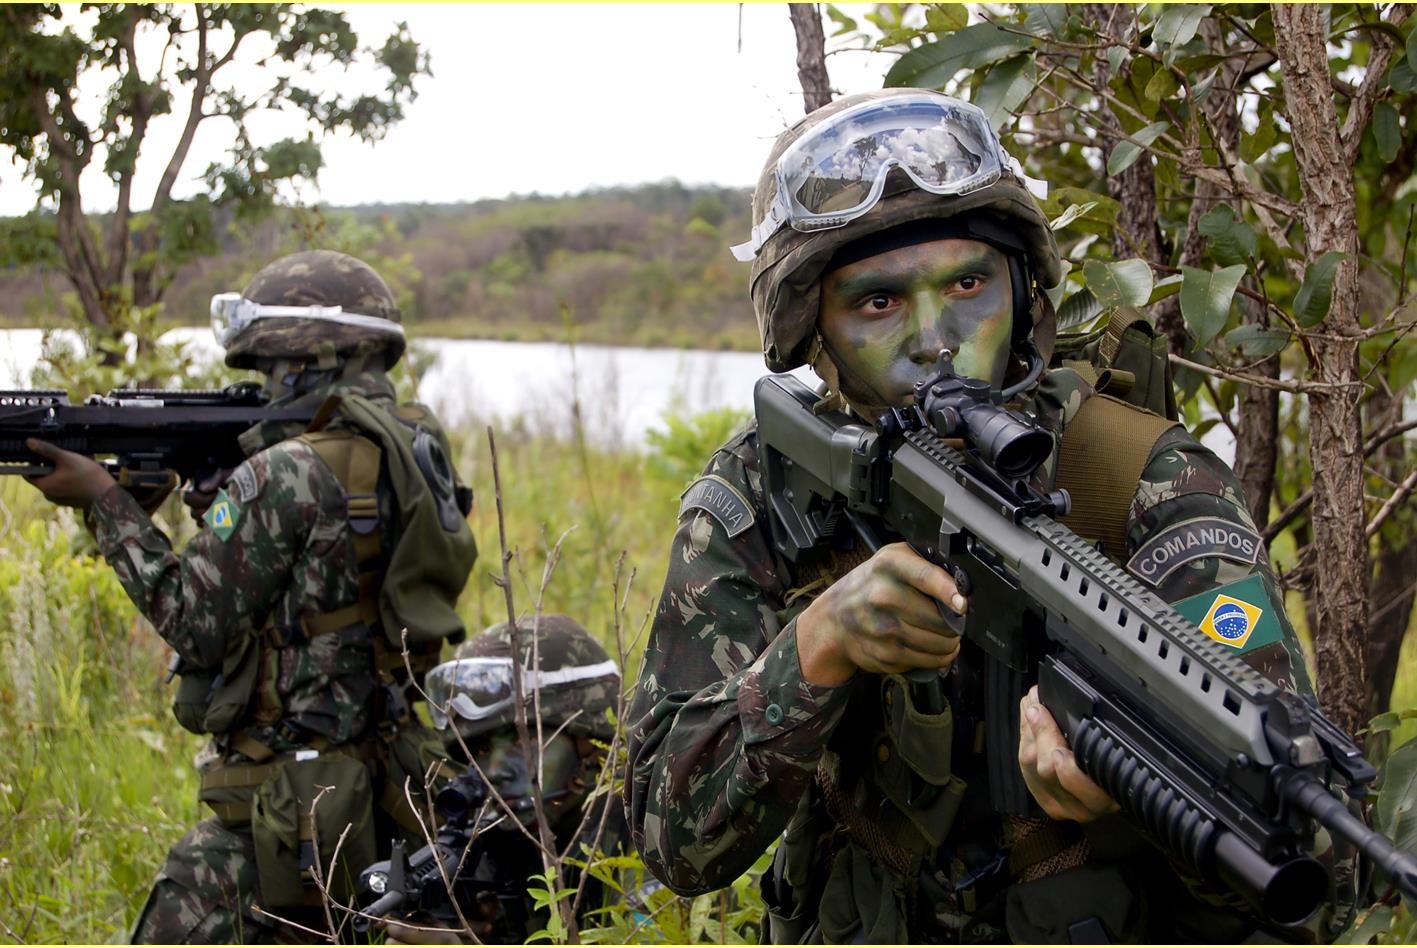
(362, 512)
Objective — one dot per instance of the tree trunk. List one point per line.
(1340, 586)
(1136, 234)
(811, 55)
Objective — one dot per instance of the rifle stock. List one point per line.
(1215, 763)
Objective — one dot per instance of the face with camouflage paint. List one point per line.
(885, 319)
(500, 756)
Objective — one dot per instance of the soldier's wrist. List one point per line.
(823, 661)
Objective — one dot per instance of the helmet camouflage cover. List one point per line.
(562, 644)
(316, 278)
(784, 282)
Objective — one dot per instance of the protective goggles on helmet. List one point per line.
(836, 172)
(478, 688)
(232, 314)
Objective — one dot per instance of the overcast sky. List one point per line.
(550, 98)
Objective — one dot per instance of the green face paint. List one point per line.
(885, 319)
(504, 765)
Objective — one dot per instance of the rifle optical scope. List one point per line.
(957, 407)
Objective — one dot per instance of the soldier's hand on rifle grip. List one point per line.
(76, 481)
(1051, 771)
(202, 490)
(881, 617)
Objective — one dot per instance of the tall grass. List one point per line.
(96, 778)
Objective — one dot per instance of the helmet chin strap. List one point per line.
(288, 379)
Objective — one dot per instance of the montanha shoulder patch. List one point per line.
(1190, 540)
(721, 500)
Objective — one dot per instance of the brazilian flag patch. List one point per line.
(223, 515)
(1239, 615)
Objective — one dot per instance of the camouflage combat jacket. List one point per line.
(729, 744)
(287, 556)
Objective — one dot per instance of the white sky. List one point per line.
(551, 98)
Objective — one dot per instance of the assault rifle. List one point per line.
(149, 433)
(1213, 762)
(438, 881)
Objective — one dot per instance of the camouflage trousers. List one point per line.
(206, 893)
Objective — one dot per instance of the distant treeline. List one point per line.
(647, 265)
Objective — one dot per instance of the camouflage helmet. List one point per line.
(577, 680)
(316, 278)
(787, 269)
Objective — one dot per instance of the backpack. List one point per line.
(432, 549)
(1106, 445)
(1126, 358)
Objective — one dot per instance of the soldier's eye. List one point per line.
(879, 303)
(968, 282)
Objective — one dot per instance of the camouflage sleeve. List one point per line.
(1190, 536)
(725, 732)
(228, 578)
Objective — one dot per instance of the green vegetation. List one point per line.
(97, 781)
(634, 266)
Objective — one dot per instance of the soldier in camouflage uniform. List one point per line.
(281, 659)
(771, 705)
(573, 693)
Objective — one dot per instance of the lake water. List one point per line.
(623, 392)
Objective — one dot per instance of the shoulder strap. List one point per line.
(1104, 450)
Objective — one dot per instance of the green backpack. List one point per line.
(1126, 358)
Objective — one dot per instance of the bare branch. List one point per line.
(1403, 491)
(1303, 500)
(1365, 98)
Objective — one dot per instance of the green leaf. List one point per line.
(946, 17)
(1401, 76)
(1116, 55)
(1163, 83)
(844, 23)
(1402, 365)
(1412, 46)
(1178, 23)
(1316, 294)
(1118, 283)
(1127, 152)
(1230, 241)
(1045, 19)
(1073, 212)
(1257, 342)
(1395, 815)
(1205, 299)
(933, 65)
(1387, 131)
(1077, 309)
(1169, 286)
(1252, 147)
(1004, 88)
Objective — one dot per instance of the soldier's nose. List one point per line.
(929, 339)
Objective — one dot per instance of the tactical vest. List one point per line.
(410, 574)
(885, 796)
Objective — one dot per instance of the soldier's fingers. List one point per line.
(1093, 800)
(891, 656)
(927, 639)
(1027, 748)
(45, 450)
(925, 576)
